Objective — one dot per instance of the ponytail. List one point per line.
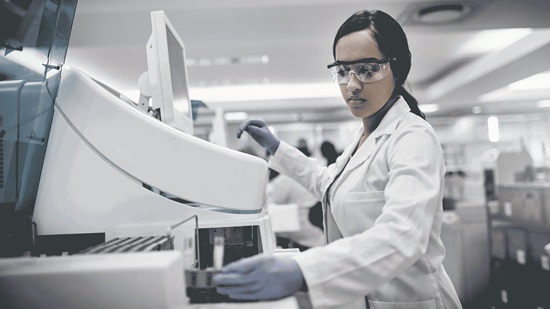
(411, 101)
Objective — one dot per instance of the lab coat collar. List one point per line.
(386, 127)
(389, 122)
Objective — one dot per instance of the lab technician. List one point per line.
(382, 198)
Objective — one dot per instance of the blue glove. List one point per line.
(260, 133)
(260, 277)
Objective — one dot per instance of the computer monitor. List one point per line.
(167, 74)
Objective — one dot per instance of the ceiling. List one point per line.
(457, 65)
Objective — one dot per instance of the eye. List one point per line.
(342, 70)
(366, 69)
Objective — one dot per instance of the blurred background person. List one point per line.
(284, 190)
(329, 152)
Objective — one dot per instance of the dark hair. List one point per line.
(392, 43)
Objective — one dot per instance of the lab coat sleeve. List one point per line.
(355, 266)
(306, 171)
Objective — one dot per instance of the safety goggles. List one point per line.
(367, 70)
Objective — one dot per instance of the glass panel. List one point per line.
(34, 37)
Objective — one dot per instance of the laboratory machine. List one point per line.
(117, 199)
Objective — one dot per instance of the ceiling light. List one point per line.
(236, 116)
(493, 130)
(534, 87)
(265, 92)
(543, 104)
(476, 109)
(486, 41)
(259, 92)
(534, 82)
(226, 60)
(428, 108)
(442, 14)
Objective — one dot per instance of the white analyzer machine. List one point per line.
(119, 171)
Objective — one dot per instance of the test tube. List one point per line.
(219, 245)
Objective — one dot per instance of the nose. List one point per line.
(354, 84)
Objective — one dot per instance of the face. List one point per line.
(363, 100)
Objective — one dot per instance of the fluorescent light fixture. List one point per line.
(494, 95)
(505, 94)
(492, 125)
(477, 109)
(240, 93)
(227, 60)
(245, 93)
(543, 104)
(492, 40)
(428, 108)
(531, 88)
(236, 116)
(534, 82)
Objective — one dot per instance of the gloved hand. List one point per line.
(260, 133)
(260, 277)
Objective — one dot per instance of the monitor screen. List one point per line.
(168, 74)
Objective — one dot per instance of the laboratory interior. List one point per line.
(123, 183)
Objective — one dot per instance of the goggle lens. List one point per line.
(365, 72)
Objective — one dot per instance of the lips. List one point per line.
(355, 100)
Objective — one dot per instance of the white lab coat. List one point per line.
(387, 204)
(284, 190)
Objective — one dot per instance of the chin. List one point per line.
(358, 110)
(358, 113)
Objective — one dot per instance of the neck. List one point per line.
(371, 122)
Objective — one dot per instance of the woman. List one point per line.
(382, 198)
